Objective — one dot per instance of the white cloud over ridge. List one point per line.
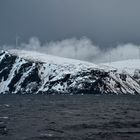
(82, 49)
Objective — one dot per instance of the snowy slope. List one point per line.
(36, 56)
(25, 72)
(128, 66)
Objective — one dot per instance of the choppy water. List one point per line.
(87, 117)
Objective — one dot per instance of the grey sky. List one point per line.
(106, 22)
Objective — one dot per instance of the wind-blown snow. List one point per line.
(36, 56)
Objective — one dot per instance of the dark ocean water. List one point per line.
(61, 117)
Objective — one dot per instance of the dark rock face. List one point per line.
(21, 76)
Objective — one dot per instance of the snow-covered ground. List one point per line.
(33, 72)
(36, 56)
(128, 66)
(124, 66)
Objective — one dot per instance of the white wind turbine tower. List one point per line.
(75, 52)
(139, 52)
(17, 41)
(110, 59)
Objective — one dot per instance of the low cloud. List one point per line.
(120, 52)
(83, 49)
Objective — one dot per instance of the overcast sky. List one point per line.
(105, 22)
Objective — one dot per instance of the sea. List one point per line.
(69, 117)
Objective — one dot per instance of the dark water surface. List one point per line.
(87, 117)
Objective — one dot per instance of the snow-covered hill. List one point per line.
(25, 72)
(128, 66)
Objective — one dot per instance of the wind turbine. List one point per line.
(17, 41)
(110, 59)
(75, 52)
(139, 52)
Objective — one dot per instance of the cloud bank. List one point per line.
(82, 49)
